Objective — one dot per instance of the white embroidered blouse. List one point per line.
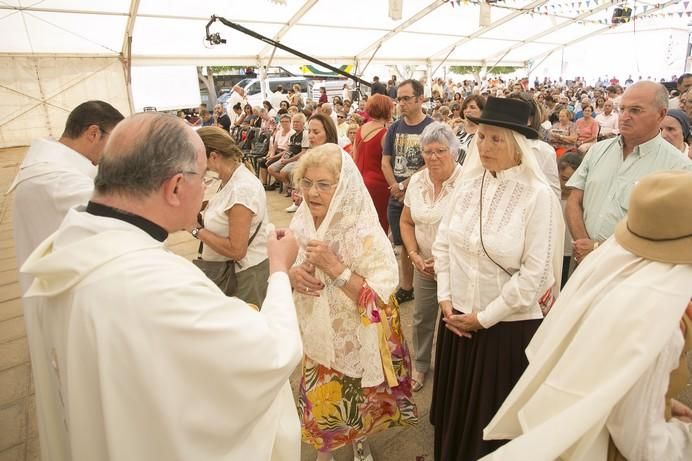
(518, 232)
(243, 188)
(426, 209)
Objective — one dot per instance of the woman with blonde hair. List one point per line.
(356, 371)
(498, 263)
(235, 222)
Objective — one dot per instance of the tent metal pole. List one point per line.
(126, 51)
(445, 58)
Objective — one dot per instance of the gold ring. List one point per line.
(307, 290)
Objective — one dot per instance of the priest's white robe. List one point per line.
(51, 179)
(150, 361)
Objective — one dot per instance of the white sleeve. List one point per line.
(535, 271)
(548, 165)
(440, 251)
(637, 424)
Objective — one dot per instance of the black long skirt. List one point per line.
(473, 376)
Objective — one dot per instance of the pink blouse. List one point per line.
(586, 132)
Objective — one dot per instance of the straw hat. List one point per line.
(659, 223)
(507, 113)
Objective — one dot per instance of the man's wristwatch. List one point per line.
(401, 186)
(343, 278)
(195, 232)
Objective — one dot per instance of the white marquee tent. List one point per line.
(55, 54)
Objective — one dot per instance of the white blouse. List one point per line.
(243, 188)
(426, 209)
(517, 233)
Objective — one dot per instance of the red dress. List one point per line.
(369, 163)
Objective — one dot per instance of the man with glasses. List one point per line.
(602, 184)
(401, 158)
(144, 356)
(341, 125)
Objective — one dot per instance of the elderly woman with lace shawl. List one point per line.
(498, 264)
(356, 371)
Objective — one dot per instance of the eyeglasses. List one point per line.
(194, 173)
(438, 152)
(322, 186)
(405, 98)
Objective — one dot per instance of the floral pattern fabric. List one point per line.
(336, 409)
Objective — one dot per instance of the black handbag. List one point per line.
(222, 273)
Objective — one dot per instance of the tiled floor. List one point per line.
(17, 422)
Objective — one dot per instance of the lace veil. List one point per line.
(332, 331)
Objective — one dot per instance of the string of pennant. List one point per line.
(583, 6)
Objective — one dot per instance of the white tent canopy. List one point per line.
(343, 32)
(58, 53)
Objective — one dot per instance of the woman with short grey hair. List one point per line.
(426, 200)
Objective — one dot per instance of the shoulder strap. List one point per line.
(254, 234)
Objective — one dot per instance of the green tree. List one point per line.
(476, 70)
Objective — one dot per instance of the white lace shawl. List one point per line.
(332, 331)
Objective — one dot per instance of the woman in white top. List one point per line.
(498, 260)
(236, 223)
(427, 198)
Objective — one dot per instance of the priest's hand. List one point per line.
(321, 256)
(303, 280)
(282, 248)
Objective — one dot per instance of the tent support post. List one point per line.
(126, 51)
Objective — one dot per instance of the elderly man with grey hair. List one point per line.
(426, 200)
(147, 358)
(601, 186)
(328, 109)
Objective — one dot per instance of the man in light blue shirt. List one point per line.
(601, 186)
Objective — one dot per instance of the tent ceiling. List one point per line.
(520, 31)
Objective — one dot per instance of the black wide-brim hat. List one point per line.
(507, 113)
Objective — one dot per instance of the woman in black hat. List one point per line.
(497, 262)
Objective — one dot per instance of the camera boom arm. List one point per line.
(216, 39)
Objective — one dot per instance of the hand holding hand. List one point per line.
(581, 248)
(304, 281)
(321, 256)
(395, 192)
(282, 248)
(463, 324)
(451, 319)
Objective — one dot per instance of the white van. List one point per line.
(253, 90)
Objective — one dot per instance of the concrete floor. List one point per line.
(18, 439)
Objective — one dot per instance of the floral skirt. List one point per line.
(335, 409)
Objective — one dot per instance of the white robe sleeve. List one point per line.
(212, 367)
(637, 424)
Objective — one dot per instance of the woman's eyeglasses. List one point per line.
(322, 186)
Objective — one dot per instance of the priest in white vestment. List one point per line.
(149, 360)
(599, 375)
(54, 176)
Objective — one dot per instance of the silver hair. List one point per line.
(163, 151)
(442, 133)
